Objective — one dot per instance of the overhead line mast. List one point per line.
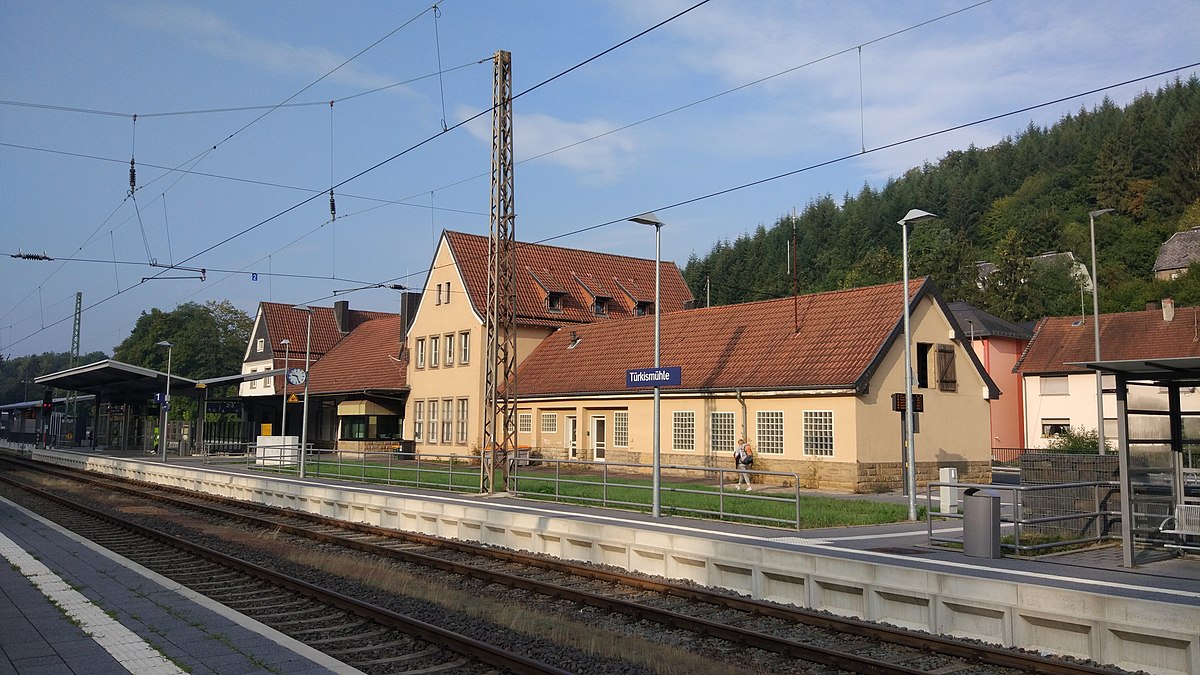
(500, 383)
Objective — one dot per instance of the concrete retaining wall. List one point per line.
(1134, 634)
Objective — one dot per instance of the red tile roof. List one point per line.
(755, 345)
(285, 322)
(365, 359)
(1129, 335)
(541, 269)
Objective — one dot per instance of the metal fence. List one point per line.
(1028, 532)
(685, 490)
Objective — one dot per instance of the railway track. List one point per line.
(822, 642)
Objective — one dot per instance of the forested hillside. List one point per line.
(1026, 195)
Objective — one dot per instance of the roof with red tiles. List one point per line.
(580, 275)
(831, 340)
(365, 360)
(1058, 341)
(283, 321)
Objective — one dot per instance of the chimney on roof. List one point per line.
(341, 314)
(1168, 307)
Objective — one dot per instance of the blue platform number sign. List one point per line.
(667, 376)
(254, 276)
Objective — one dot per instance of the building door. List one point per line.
(573, 437)
(599, 437)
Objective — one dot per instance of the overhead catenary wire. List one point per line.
(762, 181)
(407, 150)
(195, 159)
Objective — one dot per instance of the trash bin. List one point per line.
(406, 450)
(981, 523)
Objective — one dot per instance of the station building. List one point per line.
(808, 381)
(555, 288)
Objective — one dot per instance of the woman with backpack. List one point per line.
(743, 458)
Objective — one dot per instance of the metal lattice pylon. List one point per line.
(499, 417)
(72, 404)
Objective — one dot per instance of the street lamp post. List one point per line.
(286, 353)
(910, 454)
(307, 355)
(1096, 331)
(651, 219)
(166, 405)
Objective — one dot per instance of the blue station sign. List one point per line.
(667, 376)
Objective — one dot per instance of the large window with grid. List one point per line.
(683, 430)
(421, 352)
(449, 349)
(525, 423)
(768, 432)
(720, 432)
(549, 423)
(464, 348)
(461, 419)
(448, 420)
(818, 433)
(434, 352)
(433, 421)
(620, 429)
(418, 420)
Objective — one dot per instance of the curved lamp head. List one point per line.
(1096, 214)
(915, 216)
(285, 342)
(164, 343)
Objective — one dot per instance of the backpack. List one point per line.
(748, 459)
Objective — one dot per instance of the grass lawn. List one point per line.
(678, 496)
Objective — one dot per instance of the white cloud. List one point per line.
(208, 31)
(600, 161)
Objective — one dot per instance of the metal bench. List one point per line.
(1185, 523)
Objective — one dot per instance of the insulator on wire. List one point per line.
(332, 207)
(132, 176)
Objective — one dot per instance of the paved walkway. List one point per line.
(67, 607)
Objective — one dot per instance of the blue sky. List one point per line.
(635, 130)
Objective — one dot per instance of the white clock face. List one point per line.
(296, 376)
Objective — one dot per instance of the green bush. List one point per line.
(1078, 440)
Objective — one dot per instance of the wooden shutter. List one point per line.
(945, 368)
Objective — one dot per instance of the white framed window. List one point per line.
(418, 420)
(447, 293)
(420, 352)
(620, 428)
(433, 421)
(768, 432)
(525, 423)
(683, 430)
(447, 420)
(260, 344)
(464, 348)
(449, 349)
(818, 433)
(720, 432)
(433, 352)
(438, 299)
(254, 382)
(461, 420)
(1054, 385)
(549, 423)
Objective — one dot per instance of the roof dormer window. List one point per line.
(600, 306)
(643, 308)
(554, 301)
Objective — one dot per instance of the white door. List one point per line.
(573, 436)
(599, 438)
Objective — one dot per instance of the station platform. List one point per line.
(68, 606)
(1083, 604)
